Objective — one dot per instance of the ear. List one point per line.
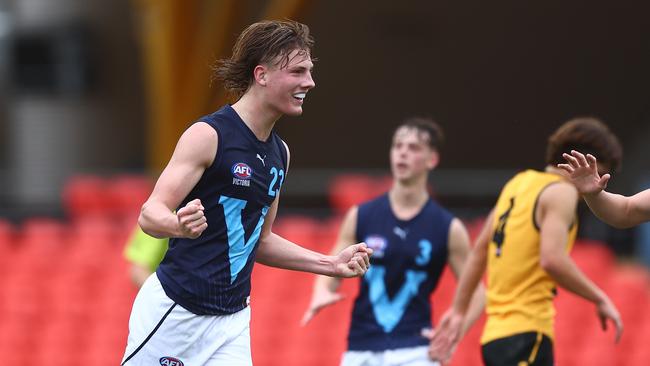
(259, 74)
(434, 159)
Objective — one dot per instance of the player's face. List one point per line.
(286, 88)
(410, 155)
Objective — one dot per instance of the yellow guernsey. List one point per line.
(519, 292)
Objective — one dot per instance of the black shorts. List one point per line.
(523, 349)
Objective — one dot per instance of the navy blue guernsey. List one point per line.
(210, 275)
(393, 303)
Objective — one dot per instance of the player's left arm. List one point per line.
(556, 212)
(620, 211)
(614, 209)
(277, 251)
(459, 249)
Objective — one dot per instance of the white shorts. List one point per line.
(412, 356)
(162, 332)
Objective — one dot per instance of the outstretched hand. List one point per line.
(583, 172)
(191, 219)
(444, 339)
(352, 261)
(321, 298)
(607, 311)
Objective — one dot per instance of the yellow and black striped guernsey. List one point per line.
(519, 292)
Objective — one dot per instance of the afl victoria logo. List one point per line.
(170, 361)
(378, 244)
(242, 171)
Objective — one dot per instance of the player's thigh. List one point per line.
(524, 349)
(236, 350)
(160, 329)
(150, 311)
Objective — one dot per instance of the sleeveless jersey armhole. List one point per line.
(283, 151)
(218, 154)
(535, 224)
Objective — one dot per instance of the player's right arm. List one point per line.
(325, 288)
(555, 215)
(450, 328)
(194, 153)
(459, 249)
(614, 209)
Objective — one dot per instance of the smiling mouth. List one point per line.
(300, 96)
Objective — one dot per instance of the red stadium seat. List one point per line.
(8, 247)
(7, 234)
(127, 193)
(60, 342)
(42, 243)
(106, 343)
(300, 229)
(86, 195)
(348, 190)
(94, 228)
(327, 234)
(474, 227)
(94, 244)
(43, 231)
(17, 340)
(594, 258)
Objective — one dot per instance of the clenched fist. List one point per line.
(353, 261)
(191, 219)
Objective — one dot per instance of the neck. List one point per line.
(554, 170)
(408, 196)
(255, 115)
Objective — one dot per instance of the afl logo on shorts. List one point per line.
(242, 171)
(170, 361)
